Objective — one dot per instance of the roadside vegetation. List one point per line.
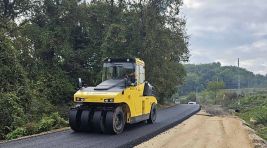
(252, 107)
(46, 45)
(219, 88)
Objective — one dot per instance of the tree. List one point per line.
(15, 92)
(164, 46)
(200, 75)
(215, 87)
(55, 42)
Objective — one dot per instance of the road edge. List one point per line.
(159, 131)
(36, 135)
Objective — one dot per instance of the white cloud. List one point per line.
(223, 31)
(192, 4)
(252, 56)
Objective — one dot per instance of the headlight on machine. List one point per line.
(79, 99)
(109, 100)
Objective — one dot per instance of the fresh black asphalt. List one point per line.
(132, 135)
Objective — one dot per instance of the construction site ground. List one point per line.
(204, 130)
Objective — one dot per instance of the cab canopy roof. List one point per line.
(129, 60)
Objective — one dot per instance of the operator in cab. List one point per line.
(130, 78)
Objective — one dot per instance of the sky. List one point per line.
(223, 31)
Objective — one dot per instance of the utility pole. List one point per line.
(196, 88)
(238, 75)
(196, 93)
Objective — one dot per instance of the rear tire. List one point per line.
(152, 115)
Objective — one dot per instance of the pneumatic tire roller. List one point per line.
(122, 98)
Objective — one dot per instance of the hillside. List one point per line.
(198, 77)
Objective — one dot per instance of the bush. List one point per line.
(11, 113)
(257, 118)
(261, 115)
(18, 132)
(229, 98)
(263, 132)
(60, 122)
(51, 122)
(31, 128)
(46, 124)
(188, 98)
(253, 107)
(258, 115)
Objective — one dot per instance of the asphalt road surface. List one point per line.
(132, 135)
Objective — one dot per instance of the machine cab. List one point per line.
(130, 69)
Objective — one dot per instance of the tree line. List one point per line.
(200, 76)
(45, 45)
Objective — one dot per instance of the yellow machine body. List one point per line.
(132, 97)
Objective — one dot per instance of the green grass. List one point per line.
(262, 132)
(253, 109)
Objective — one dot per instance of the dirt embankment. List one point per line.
(204, 131)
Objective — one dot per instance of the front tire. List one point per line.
(86, 120)
(115, 121)
(75, 119)
(152, 115)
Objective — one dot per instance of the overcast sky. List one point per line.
(222, 31)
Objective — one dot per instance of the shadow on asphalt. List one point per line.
(128, 127)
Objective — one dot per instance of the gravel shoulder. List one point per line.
(204, 131)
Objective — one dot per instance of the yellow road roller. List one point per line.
(123, 97)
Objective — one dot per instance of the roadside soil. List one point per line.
(204, 130)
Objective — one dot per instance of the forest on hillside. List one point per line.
(199, 76)
(45, 45)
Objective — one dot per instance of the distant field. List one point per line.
(247, 90)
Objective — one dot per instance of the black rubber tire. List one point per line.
(74, 119)
(97, 121)
(152, 115)
(86, 118)
(115, 121)
(103, 126)
(109, 123)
